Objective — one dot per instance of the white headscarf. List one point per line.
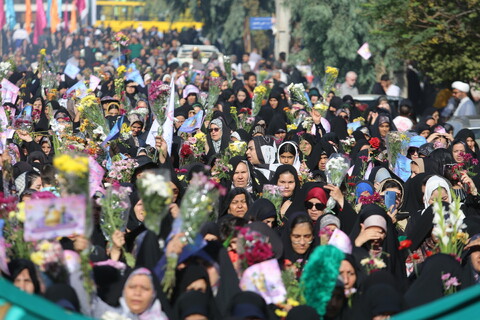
(432, 184)
(296, 161)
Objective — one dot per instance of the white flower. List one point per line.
(380, 264)
(99, 130)
(155, 185)
(445, 240)
(364, 261)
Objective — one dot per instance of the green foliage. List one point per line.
(442, 36)
(331, 32)
(223, 19)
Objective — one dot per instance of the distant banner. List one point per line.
(261, 23)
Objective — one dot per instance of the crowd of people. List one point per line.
(257, 197)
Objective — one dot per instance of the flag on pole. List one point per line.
(40, 23)
(10, 14)
(2, 15)
(54, 17)
(73, 20)
(28, 15)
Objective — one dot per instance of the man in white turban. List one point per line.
(460, 93)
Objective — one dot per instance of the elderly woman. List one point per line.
(218, 137)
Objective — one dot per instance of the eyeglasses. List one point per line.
(319, 206)
(297, 239)
(213, 129)
(412, 150)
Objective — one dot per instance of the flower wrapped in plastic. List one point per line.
(253, 247)
(120, 39)
(298, 94)
(331, 75)
(348, 144)
(258, 94)
(122, 170)
(321, 108)
(115, 206)
(396, 143)
(24, 121)
(156, 194)
(214, 89)
(158, 94)
(274, 194)
(199, 204)
(336, 169)
(5, 69)
(448, 226)
(90, 109)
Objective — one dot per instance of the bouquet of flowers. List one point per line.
(115, 209)
(307, 124)
(72, 173)
(373, 264)
(156, 195)
(120, 39)
(274, 194)
(331, 75)
(48, 256)
(15, 244)
(198, 206)
(122, 170)
(336, 168)
(5, 68)
(450, 283)
(222, 165)
(91, 110)
(158, 94)
(245, 119)
(214, 86)
(348, 144)
(448, 226)
(258, 94)
(304, 174)
(253, 247)
(119, 87)
(322, 108)
(24, 121)
(468, 165)
(397, 143)
(374, 198)
(297, 93)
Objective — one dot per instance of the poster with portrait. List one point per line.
(54, 217)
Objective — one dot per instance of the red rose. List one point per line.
(429, 253)
(186, 151)
(374, 143)
(415, 256)
(405, 244)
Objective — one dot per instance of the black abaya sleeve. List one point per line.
(149, 252)
(347, 217)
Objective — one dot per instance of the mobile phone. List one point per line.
(390, 199)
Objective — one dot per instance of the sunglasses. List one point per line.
(412, 150)
(213, 129)
(318, 206)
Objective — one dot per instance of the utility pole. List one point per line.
(282, 27)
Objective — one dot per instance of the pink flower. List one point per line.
(445, 276)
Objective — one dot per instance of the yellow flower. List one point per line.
(281, 313)
(11, 215)
(260, 90)
(43, 52)
(21, 211)
(291, 127)
(121, 69)
(293, 302)
(332, 71)
(71, 165)
(213, 74)
(45, 245)
(199, 135)
(321, 107)
(360, 119)
(37, 258)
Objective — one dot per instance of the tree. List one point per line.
(442, 36)
(331, 32)
(223, 19)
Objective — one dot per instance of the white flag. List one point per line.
(168, 124)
